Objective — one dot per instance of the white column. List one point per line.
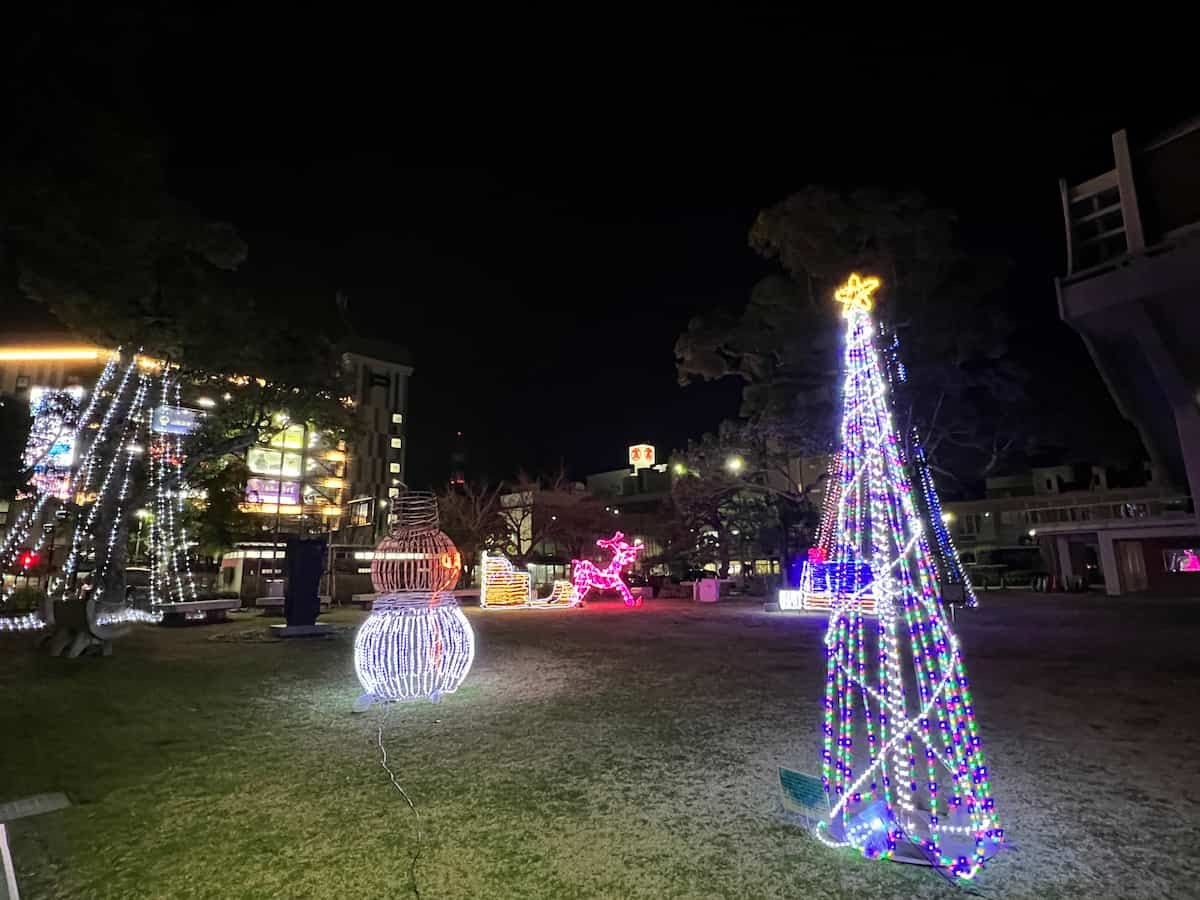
(1063, 546)
(1108, 564)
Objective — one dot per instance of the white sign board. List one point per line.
(174, 420)
(641, 456)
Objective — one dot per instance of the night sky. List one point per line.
(537, 221)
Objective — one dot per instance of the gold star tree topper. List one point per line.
(856, 293)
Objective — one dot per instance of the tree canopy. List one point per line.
(964, 392)
(91, 232)
(738, 493)
(470, 514)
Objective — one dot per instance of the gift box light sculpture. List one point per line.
(416, 644)
(587, 575)
(902, 766)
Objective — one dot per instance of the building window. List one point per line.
(393, 492)
(394, 468)
(360, 512)
(396, 443)
(397, 418)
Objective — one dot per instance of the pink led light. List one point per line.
(587, 575)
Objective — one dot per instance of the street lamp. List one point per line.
(735, 464)
(680, 469)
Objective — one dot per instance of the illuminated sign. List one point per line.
(641, 456)
(268, 490)
(50, 448)
(174, 420)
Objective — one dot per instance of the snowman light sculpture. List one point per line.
(416, 644)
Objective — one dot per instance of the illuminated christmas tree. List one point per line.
(903, 766)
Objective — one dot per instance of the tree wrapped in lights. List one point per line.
(109, 457)
(902, 766)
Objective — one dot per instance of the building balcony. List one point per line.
(1133, 275)
(1149, 512)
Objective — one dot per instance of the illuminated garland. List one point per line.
(950, 565)
(83, 478)
(171, 579)
(902, 764)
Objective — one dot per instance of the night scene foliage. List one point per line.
(744, 478)
(964, 392)
(92, 232)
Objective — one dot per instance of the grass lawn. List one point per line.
(604, 752)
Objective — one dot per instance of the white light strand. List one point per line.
(125, 449)
(179, 499)
(84, 476)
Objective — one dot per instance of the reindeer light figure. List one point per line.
(587, 575)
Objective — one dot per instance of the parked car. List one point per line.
(1013, 566)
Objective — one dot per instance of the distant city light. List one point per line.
(206, 402)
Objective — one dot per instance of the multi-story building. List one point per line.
(300, 479)
(379, 373)
(1133, 276)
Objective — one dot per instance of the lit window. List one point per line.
(395, 443)
(394, 468)
(397, 418)
(393, 492)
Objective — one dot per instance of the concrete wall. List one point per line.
(1160, 581)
